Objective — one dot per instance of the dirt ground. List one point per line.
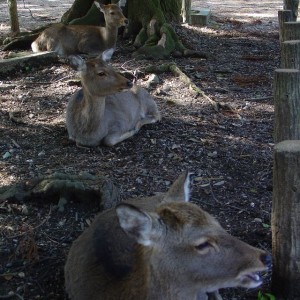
(228, 149)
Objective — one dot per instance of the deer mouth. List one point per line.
(250, 280)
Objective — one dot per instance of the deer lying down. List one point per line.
(98, 114)
(159, 248)
(75, 39)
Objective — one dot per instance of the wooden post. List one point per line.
(293, 6)
(287, 104)
(290, 54)
(286, 221)
(13, 15)
(283, 16)
(291, 31)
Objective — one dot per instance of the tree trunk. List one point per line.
(286, 221)
(13, 15)
(287, 104)
(85, 13)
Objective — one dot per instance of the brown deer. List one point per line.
(99, 113)
(159, 248)
(85, 39)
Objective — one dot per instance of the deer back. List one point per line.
(75, 39)
(156, 248)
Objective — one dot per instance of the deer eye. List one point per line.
(112, 13)
(100, 74)
(203, 246)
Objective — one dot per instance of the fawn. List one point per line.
(99, 113)
(85, 39)
(159, 248)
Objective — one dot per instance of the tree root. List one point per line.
(172, 67)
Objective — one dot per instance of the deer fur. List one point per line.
(99, 113)
(85, 39)
(159, 248)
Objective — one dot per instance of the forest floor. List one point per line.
(228, 149)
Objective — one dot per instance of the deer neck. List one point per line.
(150, 283)
(92, 107)
(111, 35)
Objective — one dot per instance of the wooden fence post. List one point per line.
(293, 6)
(286, 221)
(283, 16)
(291, 31)
(287, 104)
(290, 54)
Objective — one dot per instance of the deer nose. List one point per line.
(126, 22)
(266, 259)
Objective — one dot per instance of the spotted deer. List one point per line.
(102, 112)
(160, 248)
(82, 39)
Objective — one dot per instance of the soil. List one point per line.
(228, 147)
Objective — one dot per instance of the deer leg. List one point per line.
(147, 120)
(82, 146)
(116, 138)
(214, 296)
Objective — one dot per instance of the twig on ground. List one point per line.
(259, 99)
(11, 295)
(15, 143)
(222, 203)
(29, 10)
(34, 228)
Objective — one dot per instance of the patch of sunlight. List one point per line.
(4, 27)
(255, 15)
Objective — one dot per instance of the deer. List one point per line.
(160, 247)
(109, 108)
(82, 39)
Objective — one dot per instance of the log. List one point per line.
(283, 16)
(290, 54)
(287, 104)
(286, 221)
(291, 31)
(26, 62)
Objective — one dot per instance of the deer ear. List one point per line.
(77, 63)
(135, 223)
(107, 54)
(100, 6)
(179, 190)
